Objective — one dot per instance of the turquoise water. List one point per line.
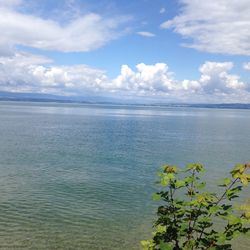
(81, 177)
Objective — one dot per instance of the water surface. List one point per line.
(81, 176)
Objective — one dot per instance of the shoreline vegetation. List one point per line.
(188, 214)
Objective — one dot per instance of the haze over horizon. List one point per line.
(165, 51)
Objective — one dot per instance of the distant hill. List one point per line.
(90, 99)
(36, 97)
(207, 105)
(223, 105)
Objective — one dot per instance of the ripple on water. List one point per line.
(80, 177)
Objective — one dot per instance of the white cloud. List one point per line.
(25, 72)
(148, 79)
(246, 66)
(162, 10)
(29, 73)
(84, 33)
(158, 80)
(214, 26)
(145, 33)
(215, 80)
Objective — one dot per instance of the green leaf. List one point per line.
(180, 183)
(189, 244)
(232, 193)
(156, 197)
(196, 167)
(213, 209)
(232, 219)
(188, 179)
(244, 179)
(226, 207)
(147, 244)
(183, 214)
(201, 185)
(239, 168)
(226, 181)
(169, 169)
(184, 226)
(165, 246)
(160, 229)
(164, 181)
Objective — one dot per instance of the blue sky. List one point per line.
(168, 51)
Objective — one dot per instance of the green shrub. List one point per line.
(191, 218)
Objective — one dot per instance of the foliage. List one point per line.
(192, 222)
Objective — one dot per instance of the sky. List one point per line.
(169, 51)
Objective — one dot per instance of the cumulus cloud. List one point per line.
(147, 79)
(146, 34)
(24, 72)
(29, 73)
(157, 79)
(84, 33)
(246, 66)
(215, 77)
(214, 26)
(216, 84)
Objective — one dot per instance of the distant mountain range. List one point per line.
(208, 105)
(36, 97)
(33, 97)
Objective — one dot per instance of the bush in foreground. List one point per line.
(191, 218)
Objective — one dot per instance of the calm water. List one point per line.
(81, 177)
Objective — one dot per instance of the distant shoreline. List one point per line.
(174, 105)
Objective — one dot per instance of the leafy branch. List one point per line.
(188, 223)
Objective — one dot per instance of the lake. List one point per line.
(81, 176)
